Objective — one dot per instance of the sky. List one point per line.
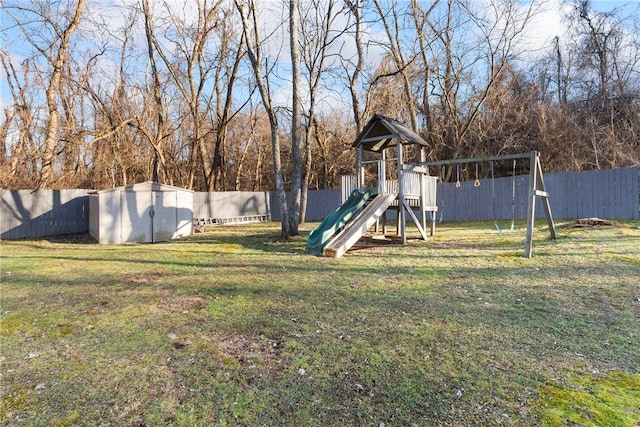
(544, 28)
(548, 24)
(607, 5)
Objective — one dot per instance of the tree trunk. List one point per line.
(52, 124)
(254, 52)
(296, 152)
(357, 72)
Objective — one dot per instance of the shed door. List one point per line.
(135, 219)
(164, 219)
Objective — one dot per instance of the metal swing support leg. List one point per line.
(536, 189)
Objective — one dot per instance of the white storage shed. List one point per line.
(140, 213)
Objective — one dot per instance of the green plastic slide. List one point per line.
(335, 221)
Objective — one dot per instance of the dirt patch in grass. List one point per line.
(76, 238)
(375, 242)
(144, 278)
(181, 304)
(253, 350)
(590, 223)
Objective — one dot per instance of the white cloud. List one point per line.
(544, 27)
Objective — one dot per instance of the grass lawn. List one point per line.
(232, 327)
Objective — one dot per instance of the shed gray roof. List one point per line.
(379, 133)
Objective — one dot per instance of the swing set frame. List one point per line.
(536, 189)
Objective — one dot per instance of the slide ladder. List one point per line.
(359, 225)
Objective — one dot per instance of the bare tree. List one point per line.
(190, 40)
(333, 133)
(317, 22)
(82, 112)
(230, 55)
(61, 25)
(355, 70)
(604, 84)
(466, 69)
(296, 117)
(420, 19)
(158, 134)
(254, 49)
(22, 152)
(391, 21)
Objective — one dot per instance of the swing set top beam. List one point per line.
(479, 159)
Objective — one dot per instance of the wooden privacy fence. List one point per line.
(611, 193)
(38, 213)
(231, 206)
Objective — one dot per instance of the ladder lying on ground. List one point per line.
(201, 222)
